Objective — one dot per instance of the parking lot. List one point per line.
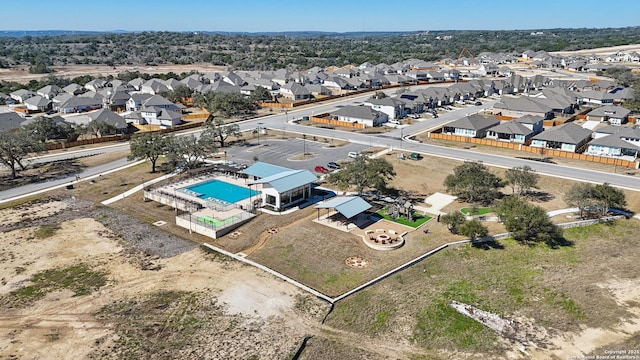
(281, 152)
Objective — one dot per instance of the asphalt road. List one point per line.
(279, 153)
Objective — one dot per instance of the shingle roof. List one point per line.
(358, 112)
(109, 117)
(614, 141)
(522, 103)
(287, 180)
(610, 111)
(511, 127)
(568, 133)
(10, 121)
(475, 122)
(529, 119)
(349, 206)
(38, 101)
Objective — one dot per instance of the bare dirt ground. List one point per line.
(252, 314)
(601, 51)
(22, 74)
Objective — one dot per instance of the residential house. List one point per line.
(566, 137)
(75, 104)
(393, 107)
(361, 115)
(74, 89)
(110, 118)
(519, 106)
(612, 145)
(137, 83)
(21, 95)
(163, 117)
(511, 131)
(37, 103)
(154, 87)
(49, 91)
(318, 90)
(295, 91)
(595, 97)
(6, 99)
(614, 114)
(10, 121)
(136, 100)
(115, 100)
(95, 85)
(475, 126)
(281, 187)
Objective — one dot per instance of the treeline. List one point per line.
(268, 52)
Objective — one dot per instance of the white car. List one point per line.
(353, 154)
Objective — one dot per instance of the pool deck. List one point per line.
(174, 188)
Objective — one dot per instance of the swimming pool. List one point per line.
(219, 190)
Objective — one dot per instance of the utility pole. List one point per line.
(304, 146)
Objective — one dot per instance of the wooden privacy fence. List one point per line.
(324, 119)
(631, 164)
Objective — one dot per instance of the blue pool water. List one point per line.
(219, 190)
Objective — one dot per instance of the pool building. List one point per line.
(280, 187)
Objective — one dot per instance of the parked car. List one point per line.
(321, 169)
(333, 165)
(478, 103)
(353, 154)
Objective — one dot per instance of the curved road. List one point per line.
(396, 138)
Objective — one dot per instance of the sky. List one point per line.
(325, 15)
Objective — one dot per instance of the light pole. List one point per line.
(225, 157)
(401, 136)
(304, 146)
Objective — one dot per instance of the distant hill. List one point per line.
(311, 34)
(37, 33)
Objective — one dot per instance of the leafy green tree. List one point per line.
(179, 94)
(472, 182)
(521, 179)
(526, 222)
(473, 229)
(149, 146)
(606, 197)
(99, 128)
(190, 150)
(44, 128)
(218, 131)
(227, 104)
(362, 173)
(453, 221)
(260, 94)
(379, 95)
(15, 147)
(580, 195)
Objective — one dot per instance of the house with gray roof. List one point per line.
(110, 118)
(154, 86)
(76, 104)
(49, 91)
(136, 100)
(523, 105)
(475, 126)
(511, 131)
(318, 90)
(95, 85)
(6, 99)
(295, 91)
(10, 121)
(361, 115)
(37, 103)
(614, 114)
(566, 137)
(612, 146)
(596, 97)
(393, 107)
(162, 117)
(21, 95)
(74, 89)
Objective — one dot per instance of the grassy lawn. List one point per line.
(418, 219)
(557, 288)
(475, 211)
